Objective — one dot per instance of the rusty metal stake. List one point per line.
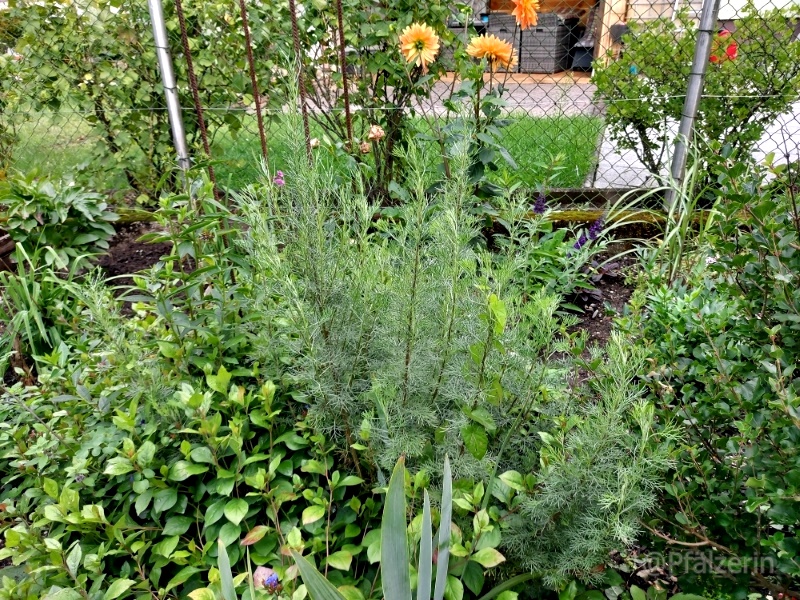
(198, 106)
(343, 68)
(248, 44)
(300, 78)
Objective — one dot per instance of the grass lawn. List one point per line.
(57, 147)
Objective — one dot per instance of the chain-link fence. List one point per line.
(593, 100)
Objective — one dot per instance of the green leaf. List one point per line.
(182, 470)
(182, 576)
(350, 480)
(214, 513)
(119, 465)
(498, 309)
(292, 441)
(202, 454)
(475, 440)
(177, 525)
(118, 588)
(374, 551)
(145, 454)
(236, 510)
(52, 544)
(255, 535)
(489, 539)
(74, 560)
(350, 592)
(318, 587)
(202, 594)
(444, 531)
(94, 513)
(166, 546)
(225, 575)
(63, 594)
(498, 590)
(50, 488)
(165, 499)
(488, 557)
(229, 533)
(143, 501)
(313, 466)
(513, 479)
(454, 590)
(219, 382)
(481, 416)
(69, 499)
(340, 560)
(687, 597)
(473, 577)
(425, 568)
(313, 513)
(394, 543)
(638, 593)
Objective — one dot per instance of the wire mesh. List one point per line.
(592, 103)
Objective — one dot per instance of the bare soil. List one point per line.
(127, 255)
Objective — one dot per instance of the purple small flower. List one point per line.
(581, 242)
(597, 228)
(271, 583)
(265, 578)
(540, 205)
(278, 179)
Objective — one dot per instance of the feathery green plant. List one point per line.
(410, 337)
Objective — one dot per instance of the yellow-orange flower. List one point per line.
(496, 51)
(525, 11)
(419, 44)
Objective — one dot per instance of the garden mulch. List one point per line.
(127, 255)
(598, 316)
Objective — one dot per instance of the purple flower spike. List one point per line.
(540, 205)
(581, 242)
(278, 179)
(597, 228)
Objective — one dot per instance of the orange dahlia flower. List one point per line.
(419, 44)
(496, 51)
(525, 11)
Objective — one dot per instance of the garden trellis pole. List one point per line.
(343, 68)
(301, 84)
(198, 106)
(694, 92)
(168, 81)
(251, 66)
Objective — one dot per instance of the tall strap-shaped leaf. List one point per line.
(318, 587)
(225, 575)
(425, 571)
(444, 532)
(394, 541)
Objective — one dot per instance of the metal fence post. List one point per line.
(168, 80)
(694, 91)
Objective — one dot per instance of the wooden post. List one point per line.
(611, 13)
